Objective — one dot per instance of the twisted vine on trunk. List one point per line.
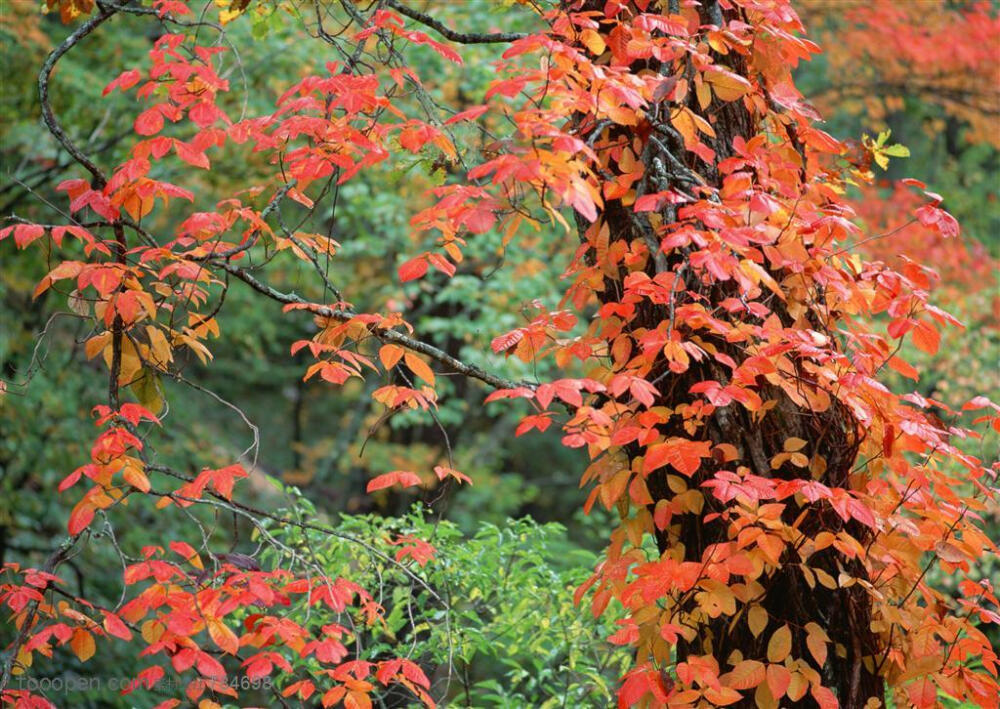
(852, 667)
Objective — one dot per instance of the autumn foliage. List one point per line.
(723, 336)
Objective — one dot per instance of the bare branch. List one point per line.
(450, 34)
(45, 75)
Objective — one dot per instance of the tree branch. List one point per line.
(51, 564)
(384, 334)
(251, 239)
(450, 34)
(45, 75)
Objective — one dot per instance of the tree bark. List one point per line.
(851, 669)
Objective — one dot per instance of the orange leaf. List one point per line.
(83, 644)
(136, 478)
(443, 472)
(816, 640)
(778, 679)
(222, 636)
(419, 367)
(926, 337)
(824, 697)
(81, 516)
(683, 455)
(904, 367)
(745, 675)
(389, 355)
(722, 696)
(922, 693)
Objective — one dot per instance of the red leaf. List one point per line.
(654, 202)
(149, 122)
(396, 477)
(470, 114)
(191, 155)
(125, 81)
(114, 625)
(24, 234)
(411, 546)
(259, 666)
(502, 343)
(413, 269)
(682, 455)
(824, 697)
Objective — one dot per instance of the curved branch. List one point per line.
(45, 75)
(384, 334)
(450, 34)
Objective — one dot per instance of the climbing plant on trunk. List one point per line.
(722, 341)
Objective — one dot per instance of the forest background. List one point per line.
(515, 545)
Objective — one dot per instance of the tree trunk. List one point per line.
(788, 595)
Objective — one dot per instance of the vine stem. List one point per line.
(99, 181)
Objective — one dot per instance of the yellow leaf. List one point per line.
(794, 444)
(147, 390)
(816, 640)
(593, 41)
(703, 125)
(161, 353)
(131, 363)
(704, 94)
(757, 620)
(24, 659)
(727, 86)
(152, 631)
(825, 578)
(797, 687)
(779, 645)
(763, 697)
